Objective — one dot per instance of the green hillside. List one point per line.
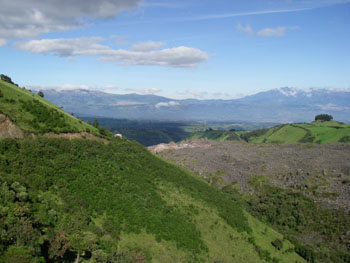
(89, 201)
(61, 199)
(34, 114)
(217, 135)
(315, 132)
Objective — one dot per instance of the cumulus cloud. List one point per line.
(66, 47)
(167, 104)
(150, 91)
(275, 32)
(246, 29)
(182, 57)
(147, 46)
(30, 18)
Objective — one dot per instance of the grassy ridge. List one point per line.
(315, 132)
(33, 113)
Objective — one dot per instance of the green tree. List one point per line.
(323, 117)
(41, 94)
(95, 123)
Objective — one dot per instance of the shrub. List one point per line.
(277, 243)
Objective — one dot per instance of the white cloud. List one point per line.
(179, 57)
(66, 47)
(31, 18)
(247, 29)
(332, 107)
(167, 104)
(275, 32)
(147, 46)
(182, 57)
(150, 91)
(3, 42)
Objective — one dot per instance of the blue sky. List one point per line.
(180, 49)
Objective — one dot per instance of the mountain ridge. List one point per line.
(282, 105)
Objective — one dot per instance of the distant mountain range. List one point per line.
(278, 105)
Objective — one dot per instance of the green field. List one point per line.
(314, 132)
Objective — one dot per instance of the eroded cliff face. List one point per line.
(8, 129)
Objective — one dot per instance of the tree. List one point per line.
(6, 78)
(95, 123)
(323, 117)
(41, 94)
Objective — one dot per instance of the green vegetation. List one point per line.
(323, 117)
(62, 200)
(315, 132)
(34, 114)
(217, 135)
(318, 234)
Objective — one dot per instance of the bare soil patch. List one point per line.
(320, 171)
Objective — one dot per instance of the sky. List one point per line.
(204, 49)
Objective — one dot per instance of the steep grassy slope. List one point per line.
(62, 199)
(33, 113)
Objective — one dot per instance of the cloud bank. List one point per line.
(148, 53)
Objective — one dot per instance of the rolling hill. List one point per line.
(320, 132)
(83, 200)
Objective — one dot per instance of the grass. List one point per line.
(315, 132)
(224, 242)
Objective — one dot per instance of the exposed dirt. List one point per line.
(173, 146)
(320, 171)
(8, 129)
(78, 135)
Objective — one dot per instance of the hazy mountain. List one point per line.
(277, 105)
